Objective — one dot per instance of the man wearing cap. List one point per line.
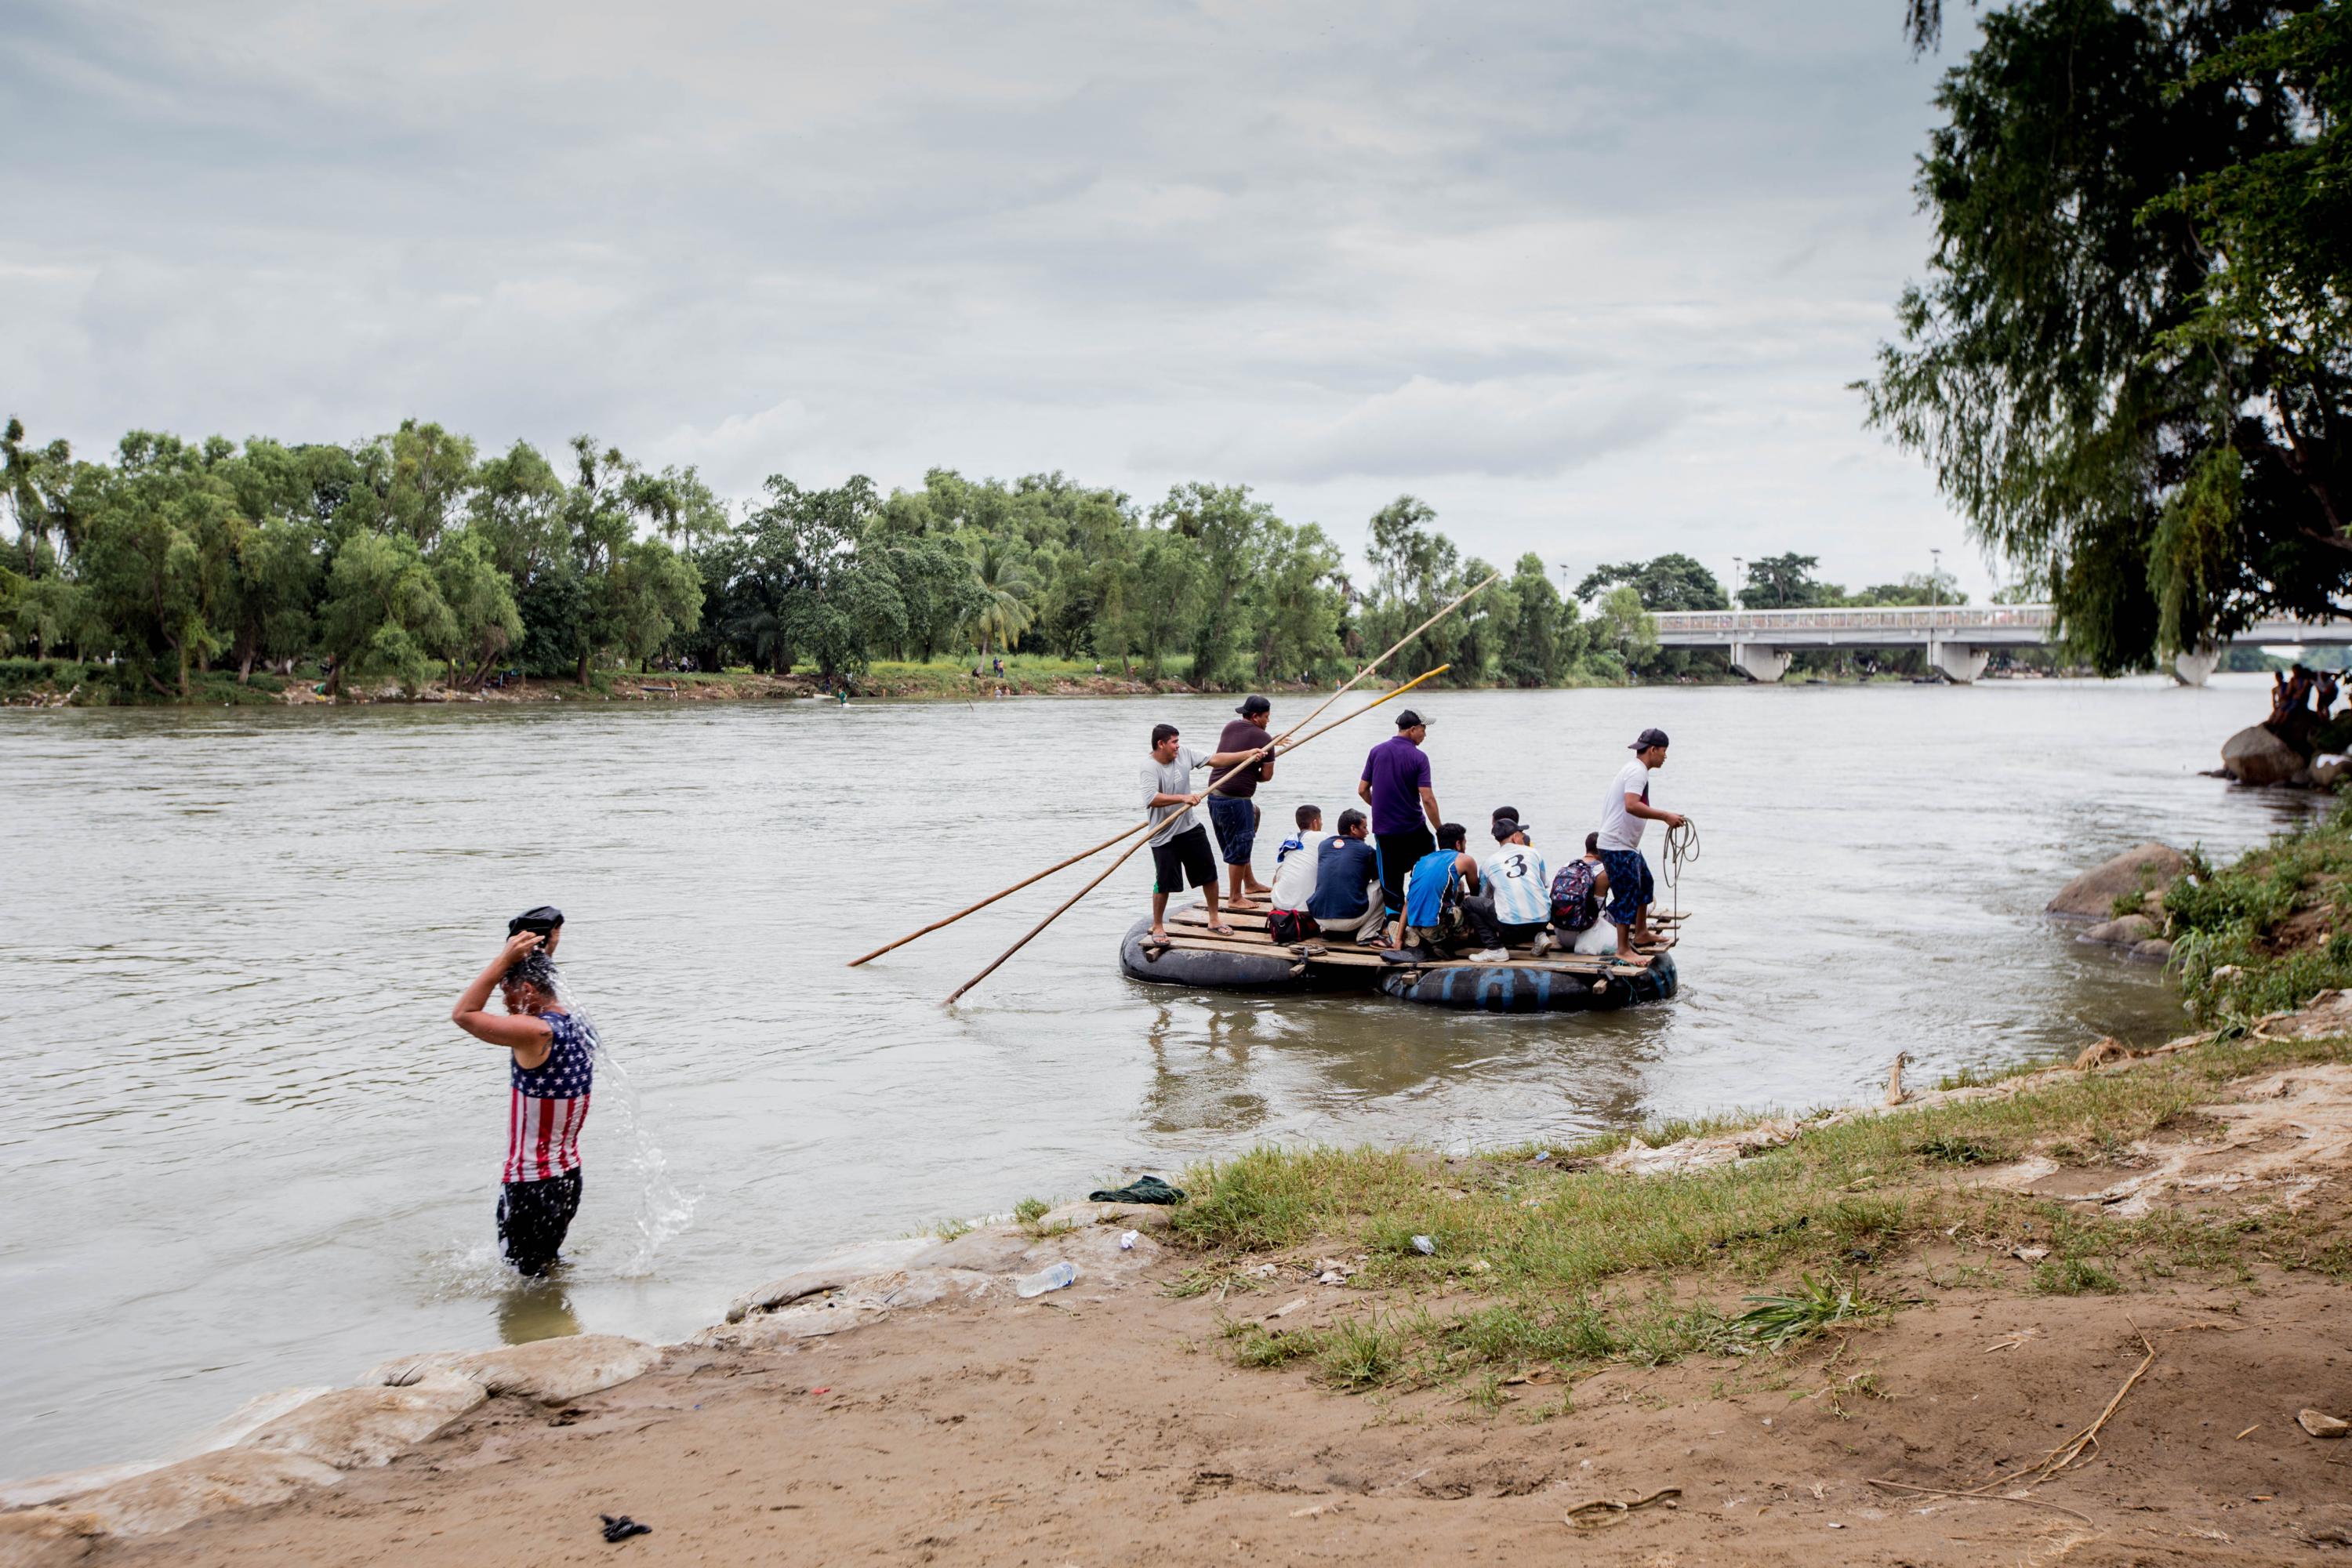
(1624, 814)
(1232, 810)
(1513, 903)
(1396, 786)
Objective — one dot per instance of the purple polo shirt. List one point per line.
(1398, 772)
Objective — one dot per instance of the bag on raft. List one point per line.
(1573, 906)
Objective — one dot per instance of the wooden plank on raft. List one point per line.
(1367, 958)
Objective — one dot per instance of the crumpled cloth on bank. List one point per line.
(1142, 1190)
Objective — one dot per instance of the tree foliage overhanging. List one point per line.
(412, 558)
(2130, 363)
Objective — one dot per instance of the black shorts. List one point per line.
(1184, 861)
(1397, 852)
(533, 1217)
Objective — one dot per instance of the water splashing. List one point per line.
(663, 1209)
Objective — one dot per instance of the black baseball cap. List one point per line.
(1407, 719)
(1504, 827)
(543, 920)
(1254, 705)
(1646, 739)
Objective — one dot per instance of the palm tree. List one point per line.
(1005, 610)
(23, 470)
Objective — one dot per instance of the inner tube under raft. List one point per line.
(1267, 974)
(1501, 990)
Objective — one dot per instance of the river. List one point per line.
(246, 1150)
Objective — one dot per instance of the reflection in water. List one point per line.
(247, 1188)
(535, 1309)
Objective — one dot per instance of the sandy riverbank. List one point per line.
(905, 1403)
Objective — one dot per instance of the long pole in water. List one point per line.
(1128, 853)
(1280, 740)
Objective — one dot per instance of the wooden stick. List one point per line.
(1281, 740)
(1064, 908)
(1986, 1497)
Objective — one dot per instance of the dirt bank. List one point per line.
(2097, 1298)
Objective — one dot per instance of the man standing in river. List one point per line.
(552, 1062)
(1396, 786)
(1625, 813)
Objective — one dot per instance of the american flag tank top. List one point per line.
(550, 1104)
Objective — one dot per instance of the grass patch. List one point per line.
(1556, 1264)
(2266, 932)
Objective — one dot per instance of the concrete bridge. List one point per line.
(1957, 638)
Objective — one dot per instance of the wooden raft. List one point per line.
(1188, 928)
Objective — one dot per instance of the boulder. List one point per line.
(2155, 949)
(2128, 932)
(356, 1426)
(2329, 767)
(2091, 896)
(553, 1372)
(180, 1494)
(2256, 756)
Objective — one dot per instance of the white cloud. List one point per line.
(1588, 278)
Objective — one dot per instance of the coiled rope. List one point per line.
(1682, 849)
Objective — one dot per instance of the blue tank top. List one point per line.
(1428, 887)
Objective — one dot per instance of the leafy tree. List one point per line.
(1000, 612)
(383, 617)
(1296, 602)
(410, 482)
(275, 591)
(938, 591)
(161, 534)
(1671, 582)
(484, 620)
(1785, 582)
(1541, 638)
(1623, 629)
(2126, 367)
(27, 477)
(517, 510)
(1230, 532)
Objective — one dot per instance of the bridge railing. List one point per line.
(1907, 619)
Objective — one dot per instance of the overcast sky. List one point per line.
(1589, 278)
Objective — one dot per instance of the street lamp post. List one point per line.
(1935, 580)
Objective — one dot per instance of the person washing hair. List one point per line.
(550, 1067)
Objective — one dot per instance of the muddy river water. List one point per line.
(245, 1149)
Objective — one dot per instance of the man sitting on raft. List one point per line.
(1346, 902)
(550, 1070)
(1180, 848)
(1294, 880)
(1433, 891)
(1514, 898)
(1625, 813)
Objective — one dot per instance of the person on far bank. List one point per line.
(550, 1065)
(1513, 903)
(1233, 808)
(1624, 814)
(1396, 786)
(1347, 903)
(1179, 845)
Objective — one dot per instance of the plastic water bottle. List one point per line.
(1045, 1280)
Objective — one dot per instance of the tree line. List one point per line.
(412, 558)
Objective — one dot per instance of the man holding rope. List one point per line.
(1179, 845)
(1624, 814)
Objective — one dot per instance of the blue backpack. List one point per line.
(1574, 905)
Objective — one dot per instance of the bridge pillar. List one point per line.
(1759, 662)
(2190, 667)
(1961, 663)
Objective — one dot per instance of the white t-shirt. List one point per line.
(1516, 875)
(1620, 828)
(1293, 875)
(1171, 777)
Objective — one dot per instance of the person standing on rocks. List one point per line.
(550, 1065)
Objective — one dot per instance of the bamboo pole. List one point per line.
(1098, 881)
(1280, 740)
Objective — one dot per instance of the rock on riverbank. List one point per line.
(2144, 868)
(2256, 756)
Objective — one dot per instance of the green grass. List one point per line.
(2225, 924)
(1564, 1265)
